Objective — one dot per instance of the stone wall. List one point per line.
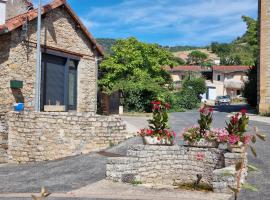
(48, 136)
(167, 165)
(18, 59)
(3, 139)
(264, 65)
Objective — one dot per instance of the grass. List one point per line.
(190, 186)
(135, 182)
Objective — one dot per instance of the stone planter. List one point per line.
(148, 140)
(236, 148)
(203, 143)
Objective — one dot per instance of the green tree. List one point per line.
(242, 51)
(197, 57)
(137, 69)
(250, 89)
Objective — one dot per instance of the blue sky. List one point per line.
(167, 22)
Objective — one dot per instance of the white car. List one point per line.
(223, 100)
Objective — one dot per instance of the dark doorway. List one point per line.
(59, 81)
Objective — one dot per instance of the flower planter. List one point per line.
(236, 148)
(203, 143)
(148, 140)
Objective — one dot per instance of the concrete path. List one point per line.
(109, 190)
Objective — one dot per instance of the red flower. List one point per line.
(156, 107)
(211, 109)
(234, 119)
(202, 110)
(167, 106)
(243, 111)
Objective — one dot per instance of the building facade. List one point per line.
(264, 63)
(67, 123)
(220, 80)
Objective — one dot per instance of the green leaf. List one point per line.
(253, 139)
(252, 168)
(253, 150)
(261, 136)
(235, 190)
(248, 186)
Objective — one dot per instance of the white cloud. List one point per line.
(199, 21)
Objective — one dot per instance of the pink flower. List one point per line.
(247, 139)
(200, 156)
(233, 139)
(149, 132)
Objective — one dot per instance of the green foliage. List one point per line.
(250, 88)
(243, 51)
(197, 57)
(248, 186)
(160, 119)
(206, 119)
(187, 99)
(198, 85)
(135, 68)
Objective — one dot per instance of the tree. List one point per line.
(242, 51)
(250, 89)
(137, 69)
(197, 57)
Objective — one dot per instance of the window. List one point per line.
(59, 81)
(219, 77)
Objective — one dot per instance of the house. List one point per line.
(68, 83)
(229, 80)
(220, 80)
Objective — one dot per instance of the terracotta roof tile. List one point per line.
(231, 68)
(19, 20)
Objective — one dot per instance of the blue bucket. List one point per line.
(19, 107)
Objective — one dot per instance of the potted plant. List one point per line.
(158, 132)
(236, 128)
(202, 135)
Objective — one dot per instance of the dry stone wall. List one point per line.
(3, 139)
(49, 136)
(167, 165)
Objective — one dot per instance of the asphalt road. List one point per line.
(75, 172)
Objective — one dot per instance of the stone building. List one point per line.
(264, 66)
(68, 84)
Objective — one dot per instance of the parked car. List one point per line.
(223, 100)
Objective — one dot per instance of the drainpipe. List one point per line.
(38, 61)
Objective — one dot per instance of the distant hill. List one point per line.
(182, 48)
(107, 43)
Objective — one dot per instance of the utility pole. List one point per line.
(38, 61)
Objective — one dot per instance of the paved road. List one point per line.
(76, 172)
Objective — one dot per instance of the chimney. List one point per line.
(3, 11)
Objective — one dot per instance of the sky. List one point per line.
(166, 22)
